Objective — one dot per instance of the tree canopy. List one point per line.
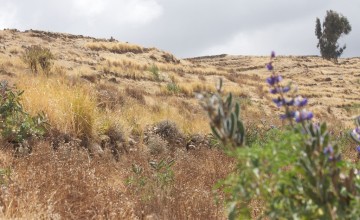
(333, 27)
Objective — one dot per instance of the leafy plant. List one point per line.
(163, 172)
(160, 177)
(36, 56)
(334, 26)
(16, 125)
(224, 115)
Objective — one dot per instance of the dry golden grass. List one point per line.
(63, 185)
(115, 47)
(67, 184)
(69, 109)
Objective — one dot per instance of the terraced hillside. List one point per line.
(332, 88)
(127, 138)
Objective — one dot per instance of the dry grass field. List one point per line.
(122, 118)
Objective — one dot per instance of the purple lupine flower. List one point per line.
(279, 90)
(303, 115)
(328, 150)
(272, 54)
(358, 149)
(300, 102)
(269, 66)
(356, 133)
(272, 80)
(290, 103)
(279, 101)
(274, 90)
(286, 89)
(288, 115)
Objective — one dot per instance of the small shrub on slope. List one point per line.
(16, 126)
(37, 57)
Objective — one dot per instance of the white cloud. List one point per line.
(88, 7)
(7, 15)
(292, 37)
(139, 11)
(121, 12)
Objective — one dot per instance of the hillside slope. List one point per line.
(127, 137)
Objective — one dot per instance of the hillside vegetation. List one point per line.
(126, 137)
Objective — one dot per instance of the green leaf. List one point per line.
(229, 101)
(219, 86)
(237, 110)
(323, 128)
(357, 121)
(216, 133)
(326, 140)
(232, 128)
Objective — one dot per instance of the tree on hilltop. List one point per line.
(334, 26)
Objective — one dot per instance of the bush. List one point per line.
(170, 132)
(36, 56)
(117, 140)
(156, 145)
(334, 26)
(16, 125)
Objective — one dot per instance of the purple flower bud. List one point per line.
(269, 66)
(274, 90)
(356, 134)
(288, 115)
(328, 150)
(300, 102)
(357, 130)
(272, 54)
(358, 149)
(272, 80)
(278, 90)
(286, 89)
(303, 115)
(290, 103)
(279, 102)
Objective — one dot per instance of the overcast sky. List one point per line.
(189, 28)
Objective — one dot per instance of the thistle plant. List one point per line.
(224, 115)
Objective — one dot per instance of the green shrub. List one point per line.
(37, 57)
(15, 124)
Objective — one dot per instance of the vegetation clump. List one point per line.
(37, 57)
(17, 126)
